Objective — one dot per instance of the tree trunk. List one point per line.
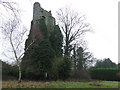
(20, 74)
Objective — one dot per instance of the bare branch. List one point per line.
(9, 6)
(26, 49)
(72, 26)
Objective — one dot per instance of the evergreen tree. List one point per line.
(43, 57)
(65, 68)
(79, 60)
(56, 39)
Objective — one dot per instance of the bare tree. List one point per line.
(13, 33)
(16, 38)
(8, 9)
(73, 27)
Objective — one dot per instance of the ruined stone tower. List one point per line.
(46, 39)
(36, 31)
(39, 12)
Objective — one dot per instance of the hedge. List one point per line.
(109, 74)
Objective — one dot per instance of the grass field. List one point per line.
(59, 84)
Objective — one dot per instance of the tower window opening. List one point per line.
(43, 17)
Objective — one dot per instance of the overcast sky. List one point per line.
(101, 14)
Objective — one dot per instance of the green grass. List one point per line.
(93, 84)
(60, 84)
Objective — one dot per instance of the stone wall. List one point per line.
(39, 12)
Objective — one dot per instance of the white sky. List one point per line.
(101, 14)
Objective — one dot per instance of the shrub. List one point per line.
(109, 74)
(9, 71)
(61, 68)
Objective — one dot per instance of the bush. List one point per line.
(54, 73)
(65, 68)
(9, 71)
(109, 74)
(79, 75)
(61, 68)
